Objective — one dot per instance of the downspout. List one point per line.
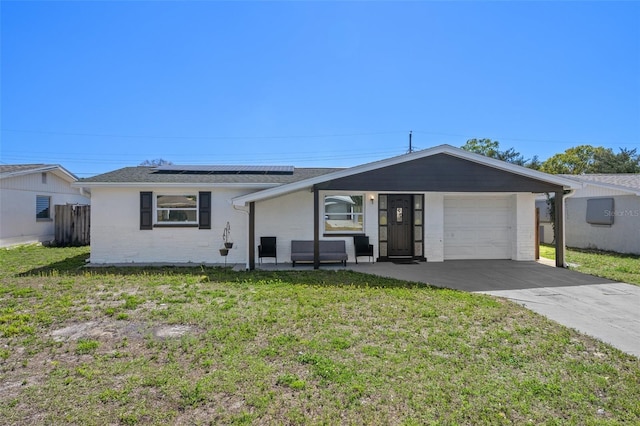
(83, 191)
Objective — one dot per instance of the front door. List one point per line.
(400, 237)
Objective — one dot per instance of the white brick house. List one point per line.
(437, 204)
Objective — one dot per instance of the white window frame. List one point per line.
(49, 216)
(352, 215)
(157, 210)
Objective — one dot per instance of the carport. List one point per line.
(438, 204)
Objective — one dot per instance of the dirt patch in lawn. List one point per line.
(105, 330)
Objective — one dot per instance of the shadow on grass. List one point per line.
(607, 253)
(75, 266)
(596, 251)
(70, 266)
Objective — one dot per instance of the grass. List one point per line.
(212, 346)
(615, 266)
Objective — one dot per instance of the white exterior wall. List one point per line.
(622, 237)
(18, 224)
(434, 226)
(290, 217)
(116, 236)
(523, 226)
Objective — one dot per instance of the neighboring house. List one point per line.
(28, 194)
(602, 213)
(437, 204)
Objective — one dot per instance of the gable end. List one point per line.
(442, 173)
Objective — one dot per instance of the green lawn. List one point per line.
(615, 266)
(212, 346)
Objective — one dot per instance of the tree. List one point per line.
(485, 147)
(512, 156)
(156, 162)
(573, 161)
(490, 148)
(626, 161)
(589, 159)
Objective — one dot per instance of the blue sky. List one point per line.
(96, 86)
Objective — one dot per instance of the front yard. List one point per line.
(208, 345)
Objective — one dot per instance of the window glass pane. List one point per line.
(343, 213)
(382, 200)
(417, 233)
(169, 215)
(43, 207)
(177, 209)
(177, 201)
(383, 217)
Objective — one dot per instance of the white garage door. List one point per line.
(477, 227)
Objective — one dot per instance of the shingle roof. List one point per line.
(12, 168)
(620, 180)
(144, 174)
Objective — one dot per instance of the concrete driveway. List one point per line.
(605, 309)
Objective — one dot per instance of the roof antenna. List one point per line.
(410, 145)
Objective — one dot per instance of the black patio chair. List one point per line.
(362, 246)
(267, 248)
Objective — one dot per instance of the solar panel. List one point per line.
(225, 169)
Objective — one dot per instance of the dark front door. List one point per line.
(400, 237)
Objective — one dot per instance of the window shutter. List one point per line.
(204, 212)
(146, 210)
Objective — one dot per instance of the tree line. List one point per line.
(577, 160)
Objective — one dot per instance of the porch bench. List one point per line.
(330, 251)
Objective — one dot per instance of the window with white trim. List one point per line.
(177, 209)
(344, 213)
(43, 207)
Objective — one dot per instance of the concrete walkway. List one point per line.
(605, 309)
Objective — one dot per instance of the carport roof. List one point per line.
(528, 179)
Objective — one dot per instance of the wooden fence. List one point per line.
(72, 225)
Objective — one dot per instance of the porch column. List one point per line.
(252, 236)
(316, 228)
(559, 220)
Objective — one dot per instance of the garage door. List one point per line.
(477, 227)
